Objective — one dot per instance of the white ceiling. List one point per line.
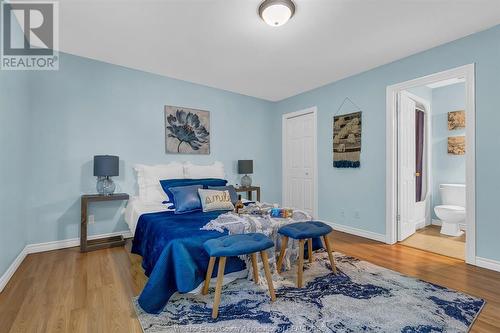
(224, 44)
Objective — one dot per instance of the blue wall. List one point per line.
(14, 173)
(363, 189)
(90, 107)
(15, 120)
(446, 168)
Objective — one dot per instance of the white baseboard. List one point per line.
(4, 279)
(438, 223)
(72, 242)
(357, 232)
(488, 263)
(420, 224)
(50, 246)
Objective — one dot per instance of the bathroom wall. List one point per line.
(446, 168)
(423, 92)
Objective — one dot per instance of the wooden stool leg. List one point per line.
(265, 263)
(310, 249)
(300, 268)
(254, 267)
(330, 255)
(218, 287)
(284, 245)
(210, 270)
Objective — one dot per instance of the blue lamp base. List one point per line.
(105, 186)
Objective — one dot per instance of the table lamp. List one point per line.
(245, 167)
(105, 166)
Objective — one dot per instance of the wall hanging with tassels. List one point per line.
(347, 137)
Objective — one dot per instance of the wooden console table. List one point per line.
(103, 243)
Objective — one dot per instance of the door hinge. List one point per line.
(398, 218)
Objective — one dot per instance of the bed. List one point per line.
(169, 246)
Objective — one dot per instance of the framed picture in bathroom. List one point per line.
(456, 145)
(456, 120)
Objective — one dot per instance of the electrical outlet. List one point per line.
(91, 219)
(356, 214)
(342, 214)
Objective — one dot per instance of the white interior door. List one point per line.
(299, 167)
(406, 166)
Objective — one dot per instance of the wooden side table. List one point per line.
(249, 190)
(103, 243)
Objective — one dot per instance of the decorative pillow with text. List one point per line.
(212, 200)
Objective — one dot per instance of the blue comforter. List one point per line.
(173, 256)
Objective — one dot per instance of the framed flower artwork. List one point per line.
(187, 131)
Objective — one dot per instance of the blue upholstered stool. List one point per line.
(236, 245)
(303, 231)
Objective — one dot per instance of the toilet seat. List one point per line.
(450, 213)
(451, 208)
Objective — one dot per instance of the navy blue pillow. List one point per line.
(186, 198)
(230, 188)
(204, 182)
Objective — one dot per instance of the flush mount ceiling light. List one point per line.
(276, 12)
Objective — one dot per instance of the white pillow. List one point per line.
(149, 176)
(215, 170)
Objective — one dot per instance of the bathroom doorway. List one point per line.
(430, 171)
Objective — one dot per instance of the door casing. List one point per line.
(468, 73)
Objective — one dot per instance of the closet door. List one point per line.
(299, 163)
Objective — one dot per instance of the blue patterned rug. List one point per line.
(362, 297)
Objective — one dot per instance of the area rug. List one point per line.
(362, 297)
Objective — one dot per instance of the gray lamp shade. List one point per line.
(245, 167)
(106, 166)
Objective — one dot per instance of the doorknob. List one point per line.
(417, 174)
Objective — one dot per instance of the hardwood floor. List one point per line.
(67, 291)
(430, 239)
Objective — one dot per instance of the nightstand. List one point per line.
(248, 190)
(103, 243)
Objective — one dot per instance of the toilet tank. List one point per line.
(452, 194)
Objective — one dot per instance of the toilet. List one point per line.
(451, 212)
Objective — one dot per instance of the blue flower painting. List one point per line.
(187, 131)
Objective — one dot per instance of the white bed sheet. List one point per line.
(136, 207)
